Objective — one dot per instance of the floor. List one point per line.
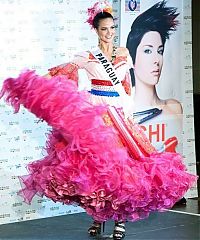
(182, 222)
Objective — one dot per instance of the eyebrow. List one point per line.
(147, 45)
(108, 26)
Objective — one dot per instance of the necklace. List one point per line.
(114, 52)
(113, 55)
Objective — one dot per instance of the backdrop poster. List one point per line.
(162, 74)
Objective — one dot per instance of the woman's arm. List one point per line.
(55, 101)
(70, 70)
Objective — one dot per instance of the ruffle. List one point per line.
(85, 164)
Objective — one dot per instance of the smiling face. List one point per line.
(149, 59)
(106, 30)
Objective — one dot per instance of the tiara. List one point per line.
(100, 6)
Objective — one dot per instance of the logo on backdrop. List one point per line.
(132, 5)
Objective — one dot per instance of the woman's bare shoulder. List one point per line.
(173, 106)
(122, 51)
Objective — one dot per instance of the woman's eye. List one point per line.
(160, 51)
(147, 51)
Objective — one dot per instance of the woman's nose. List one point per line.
(109, 31)
(156, 59)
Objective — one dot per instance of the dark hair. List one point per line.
(158, 18)
(99, 17)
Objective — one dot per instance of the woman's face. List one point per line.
(106, 30)
(149, 59)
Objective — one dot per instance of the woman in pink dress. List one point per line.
(97, 157)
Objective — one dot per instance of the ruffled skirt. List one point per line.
(86, 163)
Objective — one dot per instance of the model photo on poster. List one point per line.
(146, 41)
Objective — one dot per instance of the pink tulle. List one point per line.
(85, 164)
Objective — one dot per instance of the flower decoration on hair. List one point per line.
(100, 6)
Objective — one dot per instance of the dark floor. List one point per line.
(182, 222)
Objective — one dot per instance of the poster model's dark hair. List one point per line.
(159, 18)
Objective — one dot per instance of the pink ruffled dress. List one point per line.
(104, 164)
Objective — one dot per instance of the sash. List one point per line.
(132, 136)
(110, 71)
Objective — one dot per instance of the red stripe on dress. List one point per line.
(101, 82)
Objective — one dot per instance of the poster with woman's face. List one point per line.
(159, 39)
(151, 30)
